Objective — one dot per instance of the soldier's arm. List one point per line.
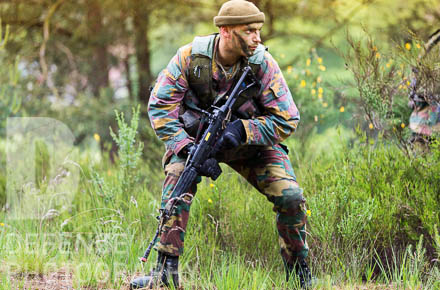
(165, 102)
(281, 114)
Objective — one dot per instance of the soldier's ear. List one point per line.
(226, 31)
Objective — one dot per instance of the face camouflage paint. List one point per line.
(244, 46)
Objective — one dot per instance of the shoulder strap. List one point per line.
(203, 45)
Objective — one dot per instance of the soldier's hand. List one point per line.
(233, 136)
(210, 168)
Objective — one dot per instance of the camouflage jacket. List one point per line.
(277, 120)
(425, 120)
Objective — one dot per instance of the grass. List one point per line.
(373, 224)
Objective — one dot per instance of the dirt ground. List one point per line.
(59, 280)
(62, 280)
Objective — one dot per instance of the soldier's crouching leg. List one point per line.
(278, 182)
(173, 233)
(291, 221)
(271, 172)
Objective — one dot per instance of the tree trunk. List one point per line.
(142, 46)
(98, 75)
(126, 62)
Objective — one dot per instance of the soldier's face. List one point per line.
(245, 38)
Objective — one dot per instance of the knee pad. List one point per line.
(291, 200)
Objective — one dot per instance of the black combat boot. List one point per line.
(302, 271)
(166, 268)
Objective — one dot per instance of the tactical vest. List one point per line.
(200, 75)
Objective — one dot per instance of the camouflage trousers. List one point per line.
(269, 170)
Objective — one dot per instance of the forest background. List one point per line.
(372, 199)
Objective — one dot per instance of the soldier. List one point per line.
(199, 75)
(424, 96)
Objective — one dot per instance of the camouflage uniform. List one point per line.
(424, 96)
(425, 120)
(269, 117)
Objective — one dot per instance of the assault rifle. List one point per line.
(217, 119)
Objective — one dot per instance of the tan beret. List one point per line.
(238, 12)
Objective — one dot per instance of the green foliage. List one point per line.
(129, 156)
(10, 98)
(2, 173)
(380, 81)
(424, 60)
(42, 163)
(369, 206)
(312, 95)
(371, 197)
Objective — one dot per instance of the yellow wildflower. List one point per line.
(321, 67)
(289, 69)
(341, 109)
(97, 137)
(399, 72)
(303, 83)
(309, 212)
(313, 92)
(320, 96)
(400, 87)
(375, 48)
(388, 65)
(408, 46)
(408, 83)
(109, 172)
(320, 90)
(209, 200)
(282, 55)
(325, 104)
(402, 125)
(2, 224)
(377, 55)
(418, 45)
(319, 60)
(316, 118)
(211, 185)
(371, 126)
(318, 79)
(308, 62)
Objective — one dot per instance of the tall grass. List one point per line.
(373, 221)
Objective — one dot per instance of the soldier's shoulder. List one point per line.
(268, 62)
(201, 45)
(185, 51)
